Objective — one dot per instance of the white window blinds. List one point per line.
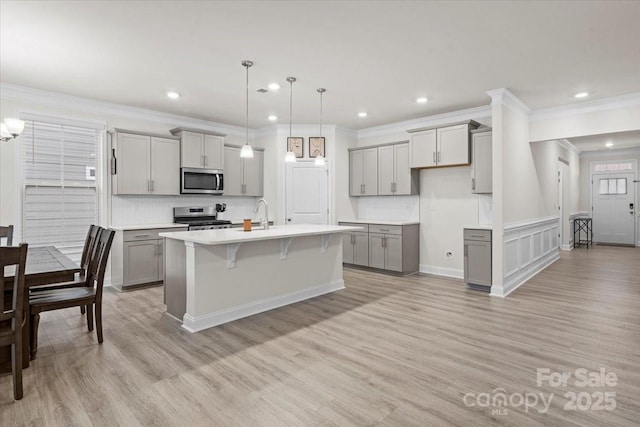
(60, 195)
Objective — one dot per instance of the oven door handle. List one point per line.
(217, 181)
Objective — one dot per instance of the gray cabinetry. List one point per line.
(355, 245)
(386, 247)
(395, 176)
(440, 146)
(144, 163)
(477, 258)
(481, 164)
(199, 149)
(243, 177)
(136, 257)
(363, 172)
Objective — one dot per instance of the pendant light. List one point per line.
(290, 157)
(10, 129)
(320, 160)
(247, 152)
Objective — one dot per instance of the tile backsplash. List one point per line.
(397, 208)
(133, 210)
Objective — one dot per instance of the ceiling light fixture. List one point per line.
(422, 100)
(273, 86)
(10, 129)
(609, 144)
(581, 94)
(362, 114)
(290, 157)
(320, 160)
(273, 118)
(173, 95)
(246, 152)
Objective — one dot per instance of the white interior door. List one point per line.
(307, 193)
(613, 208)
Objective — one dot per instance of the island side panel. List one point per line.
(175, 278)
(261, 280)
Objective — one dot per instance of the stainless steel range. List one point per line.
(199, 218)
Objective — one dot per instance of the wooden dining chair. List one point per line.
(11, 320)
(89, 296)
(6, 231)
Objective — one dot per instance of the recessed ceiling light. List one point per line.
(173, 95)
(273, 118)
(609, 144)
(581, 94)
(273, 86)
(362, 114)
(422, 100)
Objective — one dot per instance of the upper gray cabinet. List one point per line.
(200, 149)
(243, 177)
(395, 176)
(481, 169)
(441, 146)
(363, 172)
(144, 163)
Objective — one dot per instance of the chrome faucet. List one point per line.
(265, 223)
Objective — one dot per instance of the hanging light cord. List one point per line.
(290, 105)
(321, 112)
(247, 140)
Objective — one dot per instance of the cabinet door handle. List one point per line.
(473, 183)
(202, 160)
(152, 186)
(206, 161)
(141, 235)
(148, 186)
(159, 249)
(391, 185)
(438, 158)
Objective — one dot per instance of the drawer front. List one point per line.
(152, 234)
(475, 234)
(365, 227)
(385, 229)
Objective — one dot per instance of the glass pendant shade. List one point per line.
(14, 126)
(246, 152)
(290, 157)
(319, 161)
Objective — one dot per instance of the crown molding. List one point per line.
(42, 97)
(602, 154)
(475, 113)
(569, 146)
(504, 96)
(617, 102)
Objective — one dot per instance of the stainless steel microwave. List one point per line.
(201, 181)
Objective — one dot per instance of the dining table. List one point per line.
(45, 265)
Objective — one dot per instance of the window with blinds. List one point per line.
(60, 195)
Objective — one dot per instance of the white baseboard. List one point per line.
(442, 271)
(568, 247)
(205, 321)
(518, 280)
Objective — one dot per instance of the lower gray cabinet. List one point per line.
(477, 258)
(136, 257)
(386, 247)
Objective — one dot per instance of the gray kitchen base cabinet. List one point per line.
(355, 248)
(394, 248)
(136, 257)
(477, 258)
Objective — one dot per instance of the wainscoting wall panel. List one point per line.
(529, 247)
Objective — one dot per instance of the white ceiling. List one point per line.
(620, 140)
(371, 56)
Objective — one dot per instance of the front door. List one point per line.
(613, 208)
(307, 193)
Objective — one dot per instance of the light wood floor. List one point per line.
(384, 351)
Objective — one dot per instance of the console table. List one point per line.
(582, 226)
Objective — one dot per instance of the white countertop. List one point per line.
(237, 235)
(379, 221)
(479, 227)
(146, 226)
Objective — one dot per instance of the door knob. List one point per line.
(289, 219)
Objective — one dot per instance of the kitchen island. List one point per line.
(217, 276)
